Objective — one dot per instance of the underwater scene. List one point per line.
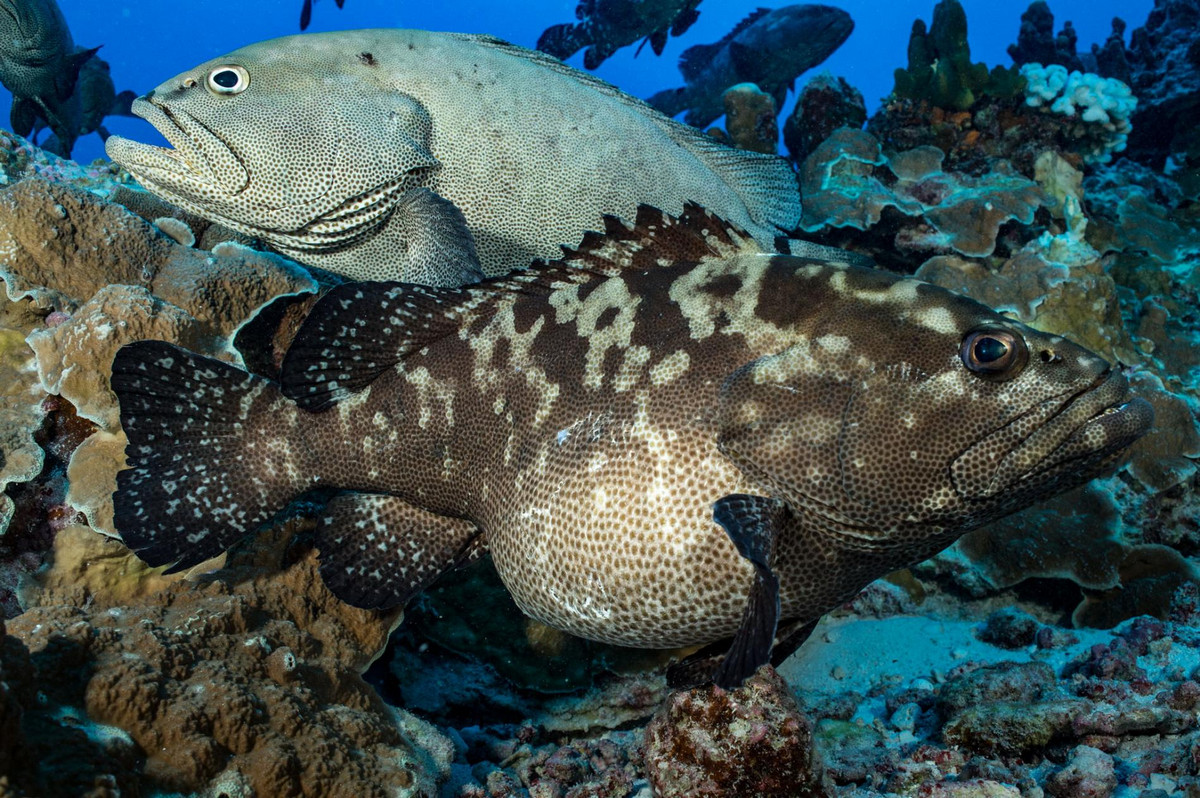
(600, 399)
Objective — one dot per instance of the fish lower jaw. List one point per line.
(161, 164)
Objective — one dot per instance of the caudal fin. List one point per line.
(213, 453)
(562, 41)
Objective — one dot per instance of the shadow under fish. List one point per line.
(669, 438)
(770, 48)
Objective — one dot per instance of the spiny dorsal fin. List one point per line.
(358, 331)
(656, 238)
(696, 58)
(766, 183)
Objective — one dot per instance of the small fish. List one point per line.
(608, 25)
(769, 48)
(667, 439)
(306, 12)
(40, 65)
(435, 158)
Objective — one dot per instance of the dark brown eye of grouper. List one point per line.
(994, 354)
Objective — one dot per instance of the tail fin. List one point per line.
(213, 453)
(670, 101)
(562, 41)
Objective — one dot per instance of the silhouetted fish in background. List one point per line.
(40, 65)
(306, 12)
(608, 25)
(770, 48)
(98, 99)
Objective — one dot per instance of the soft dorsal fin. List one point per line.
(358, 331)
(766, 183)
(696, 58)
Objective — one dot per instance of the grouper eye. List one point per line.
(994, 354)
(228, 79)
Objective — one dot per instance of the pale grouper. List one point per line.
(355, 151)
(668, 439)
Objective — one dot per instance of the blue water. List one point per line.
(148, 41)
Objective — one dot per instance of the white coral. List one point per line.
(1105, 102)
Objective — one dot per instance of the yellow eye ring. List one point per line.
(996, 354)
(227, 79)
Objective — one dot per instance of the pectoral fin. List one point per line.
(751, 523)
(441, 249)
(697, 669)
(22, 116)
(378, 551)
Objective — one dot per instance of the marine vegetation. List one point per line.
(342, 174)
(606, 26)
(770, 48)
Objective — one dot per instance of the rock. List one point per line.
(750, 118)
(750, 741)
(1088, 774)
(825, 104)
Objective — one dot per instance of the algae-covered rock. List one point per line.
(247, 675)
(750, 741)
(751, 118)
(1011, 728)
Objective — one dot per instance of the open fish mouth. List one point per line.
(198, 162)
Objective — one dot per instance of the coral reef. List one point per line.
(750, 118)
(102, 277)
(247, 678)
(909, 205)
(1103, 106)
(940, 70)
(825, 104)
(1165, 76)
(1036, 42)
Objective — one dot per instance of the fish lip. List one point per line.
(182, 159)
(1118, 416)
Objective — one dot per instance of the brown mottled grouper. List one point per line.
(667, 439)
(433, 158)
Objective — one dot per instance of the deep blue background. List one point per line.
(148, 41)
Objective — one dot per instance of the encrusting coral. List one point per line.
(247, 677)
(103, 277)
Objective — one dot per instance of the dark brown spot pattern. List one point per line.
(587, 433)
